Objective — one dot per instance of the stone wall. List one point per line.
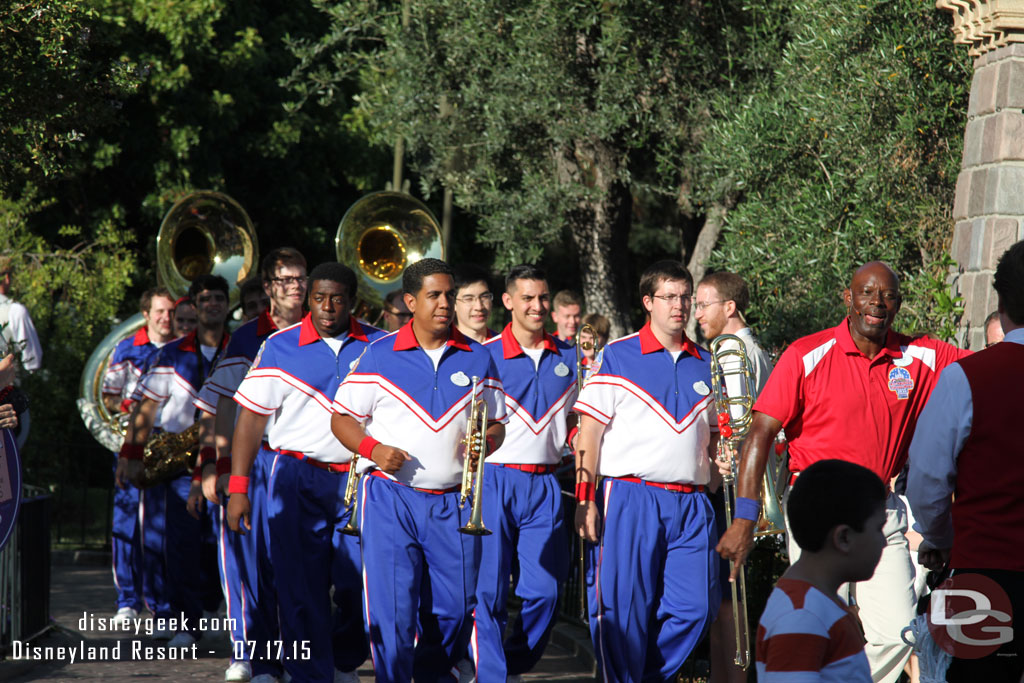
(989, 204)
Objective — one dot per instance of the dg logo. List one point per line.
(970, 616)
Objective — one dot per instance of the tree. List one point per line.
(846, 151)
(544, 118)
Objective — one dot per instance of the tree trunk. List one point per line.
(706, 241)
(599, 222)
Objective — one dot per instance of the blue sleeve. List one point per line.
(942, 429)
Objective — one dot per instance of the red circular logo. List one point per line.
(970, 616)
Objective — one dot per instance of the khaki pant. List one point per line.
(887, 601)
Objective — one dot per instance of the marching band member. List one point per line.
(184, 319)
(967, 444)
(253, 298)
(166, 401)
(293, 379)
(852, 392)
(244, 559)
(646, 427)
(522, 500)
(406, 407)
(566, 313)
(129, 362)
(722, 299)
(473, 302)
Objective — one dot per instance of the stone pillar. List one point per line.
(989, 203)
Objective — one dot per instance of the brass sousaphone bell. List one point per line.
(203, 232)
(379, 237)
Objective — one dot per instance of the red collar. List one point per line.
(308, 333)
(264, 323)
(188, 342)
(846, 343)
(405, 338)
(511, 345)
(141, 337)
(649, 343)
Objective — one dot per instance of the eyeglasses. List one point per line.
(701, 305)
(397, 313)
(470, 299)
(673, 299)
(293, 280)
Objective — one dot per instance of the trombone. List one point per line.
(580, 347)
(475, 440)
(730, 363)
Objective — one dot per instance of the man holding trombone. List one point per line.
(406, 408)
(719, 305)
(522, 498)
(647, 428)
(294, 378)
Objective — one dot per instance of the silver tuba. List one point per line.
(203, 232)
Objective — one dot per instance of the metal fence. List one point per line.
(25, 572)
(83, 494)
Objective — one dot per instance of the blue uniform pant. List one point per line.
(153, 527)
(182, 556)
(310, 555)
(248, 578)
(652, 580)
(524, 512)
(126, 546)
(419, 577)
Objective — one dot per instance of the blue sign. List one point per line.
(10, 485)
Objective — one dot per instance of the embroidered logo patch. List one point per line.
(256, 360)
(900, 382)
(562, 370)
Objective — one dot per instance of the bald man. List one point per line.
(852, 392)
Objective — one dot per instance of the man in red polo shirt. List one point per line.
(852, 392)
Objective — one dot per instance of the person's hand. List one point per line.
(195, 499)
(389, 458)
(7, 371)
(934, 559)
(127, 472)
(239, 511)
(210, 481)
(588, 521)
(726, 458)
(736, 543)
(8, 417)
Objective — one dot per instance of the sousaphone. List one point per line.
(204, 232)
(379, 237)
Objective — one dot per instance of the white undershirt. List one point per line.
(208, 351)
(335, 343)
(675, 355)
(435, 354)
(535, 354)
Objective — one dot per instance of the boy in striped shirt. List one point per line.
(836, 511)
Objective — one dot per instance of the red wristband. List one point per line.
(585, 491)
(366, 447)
(126, 405)
(571, 438)
(490, 444)
(207, 454)
(224, 465)
(237, 484)
(197, 473)
(130, 451)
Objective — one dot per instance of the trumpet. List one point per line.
(475, 440)
(351, 499)
(734, 407)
